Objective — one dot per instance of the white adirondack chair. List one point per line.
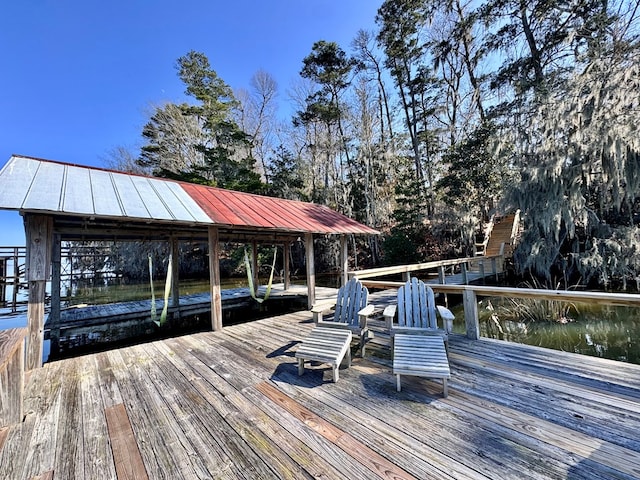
(351, 311)
(416, 312)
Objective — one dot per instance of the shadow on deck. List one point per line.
(230, 404)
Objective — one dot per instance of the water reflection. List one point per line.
(600, 331)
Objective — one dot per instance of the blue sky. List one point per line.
(79, 76)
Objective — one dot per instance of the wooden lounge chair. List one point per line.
(418, 344)
(351, 311)
(325, 345)
(416, 312)
(421, 356)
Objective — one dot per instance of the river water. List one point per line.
(600, 331)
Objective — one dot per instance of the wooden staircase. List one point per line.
(501, 233)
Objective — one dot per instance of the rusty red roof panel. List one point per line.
(227, 207)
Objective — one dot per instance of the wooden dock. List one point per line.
(230, 404)
(92, 324)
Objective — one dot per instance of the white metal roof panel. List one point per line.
(34, 184)
(185, 201)
(16, 179)
(75, 198)
(152, 202)
(129, 197)
(104, 197)
(46, 187)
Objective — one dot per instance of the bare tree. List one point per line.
(257, 116)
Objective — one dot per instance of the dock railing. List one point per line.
(12, 279)
(467, 266)
(470, 294)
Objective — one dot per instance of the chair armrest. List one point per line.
(447, 317)
(318, 309)
(364, 314)
(388, 315)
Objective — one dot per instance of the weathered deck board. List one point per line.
(126, 456)
(230, 404)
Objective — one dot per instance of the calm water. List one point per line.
(126, 293)
(600, 331)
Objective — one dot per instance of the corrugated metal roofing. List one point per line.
(37, 185)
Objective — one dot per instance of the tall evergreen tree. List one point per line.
(200, 142)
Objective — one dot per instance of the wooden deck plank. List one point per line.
(30, 451)
(69, 459)
(199, 418)
(610, 374)
(126, 456)
(237, 416)
(386, 409)
(230, 404)
(363, 454)
(98, 454)
(569, 406)
(151, 416)
(148, 421)
(4, 432)
(477, 451)
(109, 389)
(208, 383)
(338, 460)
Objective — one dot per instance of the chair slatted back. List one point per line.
(416, 305)
(352, 297)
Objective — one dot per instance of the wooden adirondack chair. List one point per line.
(416, 311)
(351, 311)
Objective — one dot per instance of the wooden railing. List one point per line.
(12, 268)
(493, 264)
(470, 294)
(481, 248)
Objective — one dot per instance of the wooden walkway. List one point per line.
(230, 404)
(88, 319)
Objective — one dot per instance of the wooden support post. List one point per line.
(214, 279)
(38, 230)
(441, 276)
(311, 270)
(11, 375)
(344, 260)
(471, 321)
(501, 265)
(406, 276)
(463, 269)
(254, 264)
(481, 270)
(174, 244)
(54, 314)
(286, 253)
(3, 280)
(16, 278)
(494, 267)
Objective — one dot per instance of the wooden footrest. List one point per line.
(421, 356)
(325, 345)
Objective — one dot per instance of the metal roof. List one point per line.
(36, 185)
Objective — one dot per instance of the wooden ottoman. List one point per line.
(326, 345)
(421, 356)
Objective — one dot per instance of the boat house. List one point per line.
(66, 202)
